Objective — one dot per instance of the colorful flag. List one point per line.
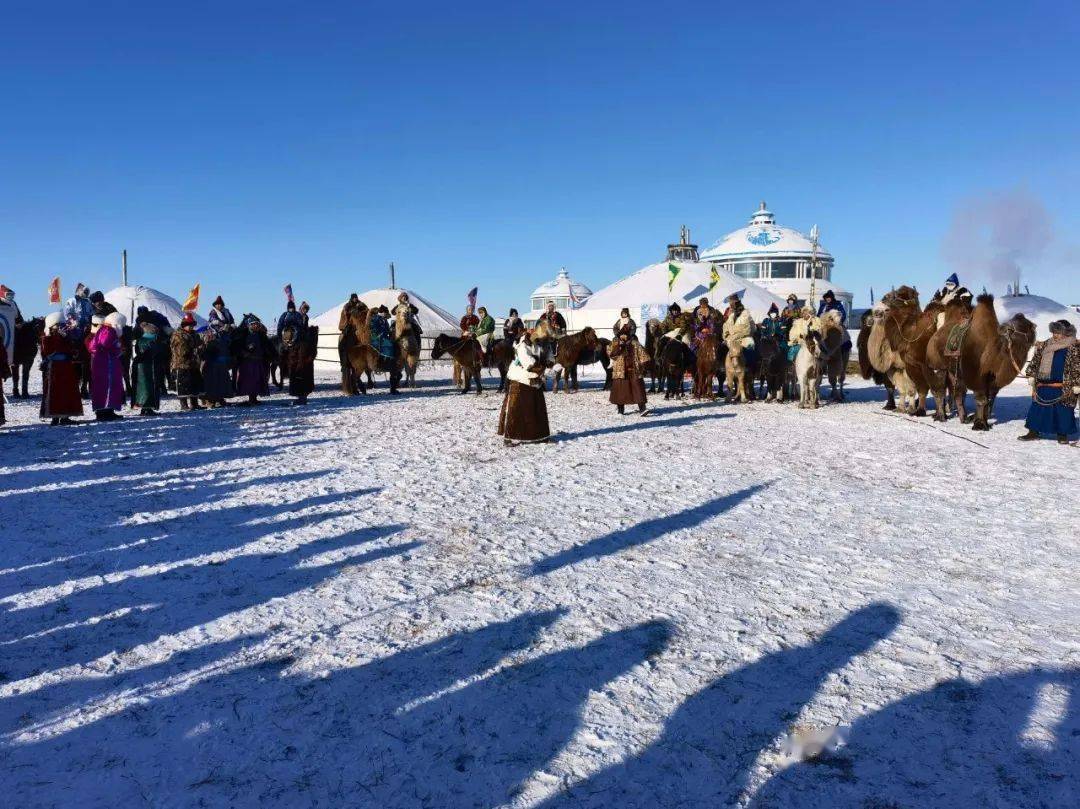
(54, 290)
(575, 301)
(4, 291)
(192, 301)
(673, 273)
(288, 293)
(714, 278)
(471, 297)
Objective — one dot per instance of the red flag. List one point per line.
(192, 302)
(54, 290)
(288, 293)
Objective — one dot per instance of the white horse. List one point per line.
(808, 362)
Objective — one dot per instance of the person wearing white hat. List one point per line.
(106, 371)
(60, 398)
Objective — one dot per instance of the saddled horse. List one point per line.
(27, 338)
(710, 365)
(773, 367)
(467, 355)
(502, 354)
(652, 343)
(296, 351)
(574, 350)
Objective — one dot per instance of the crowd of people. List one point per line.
(89, 349)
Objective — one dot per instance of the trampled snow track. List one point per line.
(373, 602)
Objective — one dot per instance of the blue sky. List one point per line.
(246, 145)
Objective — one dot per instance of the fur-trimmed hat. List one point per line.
(116, 320)
(773, 308)
(953, 280)
(97, 320)
(52, 319)
(97, 297)
(829, 295)
(188, 319)
(218, 300)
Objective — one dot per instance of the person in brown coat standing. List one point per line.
(627, 360)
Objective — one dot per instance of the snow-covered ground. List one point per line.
(372, 602)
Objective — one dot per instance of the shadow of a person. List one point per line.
(704, 755)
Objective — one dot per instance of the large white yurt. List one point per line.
(1039, 310)
(127, 300)
(433, 319)
(646, 293)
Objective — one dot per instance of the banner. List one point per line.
(471, 297)
(192, 301)
(288, 293)
(54, 290)
(714, 278)
(673, 273)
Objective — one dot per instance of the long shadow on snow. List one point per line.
(646, 531)
(708, 746)
(643, 424)
(58, 634)
(958, 745)
(425, 726)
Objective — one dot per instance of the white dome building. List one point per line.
(567, 294)
(780, 259)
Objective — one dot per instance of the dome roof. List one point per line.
(649, 286)
(762, 238)
(433, 319)
(1039, 310)
(128, 299)
(561, 287)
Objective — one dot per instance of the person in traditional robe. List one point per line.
(628, 357)
(523, 418)
(468, 323)
(184, 361)
(484, 332)
(513, 327)
(106, 371)
(60, 399)
(217, 378)
(252, 374)
(220, 318)
(1054, 371)
(149, 350)
(554, 319)
(707, 321)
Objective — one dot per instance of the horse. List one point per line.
(773, 366)
(278, 371)
(361, 357)
(467, 355)
(26, 340)
(834, 356)
(296, 354)
(407, 343)
(739, 374)
(502, 354)
(710, 364)
(991, 356)
(673, 360)
(808, 364)
(568, 355)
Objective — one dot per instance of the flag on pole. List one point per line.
(871, 296)
(714, 278)
(673, 273)
(288, 293)
(191, 303)
(471, 297)
(54, 290)
(4, 291)
(575, 301)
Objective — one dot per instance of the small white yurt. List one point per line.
(434, 320)
(128, 299)
(646, 293)
(1039, 310)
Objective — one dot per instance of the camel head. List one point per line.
(901, 296)
(1018, 329)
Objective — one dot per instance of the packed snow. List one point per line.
(373, 602)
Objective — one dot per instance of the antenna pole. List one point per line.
(392, 276)
(123, 266)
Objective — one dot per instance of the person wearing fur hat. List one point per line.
(774, 327)
(513, 326)
(216, 377)
(101, 307)
(523, 418)
(829, 303)
(251, 376)
(952, 291)
(220, 318)
(106, 373)
(707, 321)
(185, 355)
(149, 349)
(60, 399)
(671, 320)
(791, 311)
(628, 357)
(1054, 372)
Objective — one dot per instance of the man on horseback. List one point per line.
(291, 318)
(220, 319)
(829, 303)
(379, 328)
(78, 310)
(554, 319)
(484, 332)
(707, 321)
(513, 326)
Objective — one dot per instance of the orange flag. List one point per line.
(54, 290)
(192, 302)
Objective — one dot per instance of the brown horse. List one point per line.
(27, 338)
(296, 355)
(739, 376)
(361, 358)
(467, 355)
(710, 365)
(992, 356)
(569, 351)
(942, 357)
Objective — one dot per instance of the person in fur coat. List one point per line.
(106, 372)
(523, 418)
(216, 377)
(60, 399)
(184, 363)
(251, 377)
(627, 360)
(1054, 371)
